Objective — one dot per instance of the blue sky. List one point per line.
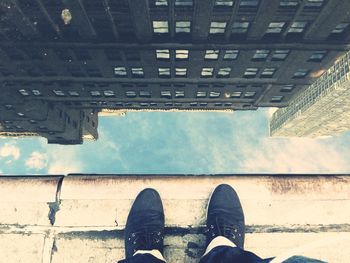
(180, 142)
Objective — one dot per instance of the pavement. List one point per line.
(80, 218)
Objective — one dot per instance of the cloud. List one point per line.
(63, 160)
(10, 150)
(295, 155)
(36, 161)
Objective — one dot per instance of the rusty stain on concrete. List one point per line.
(291, 185)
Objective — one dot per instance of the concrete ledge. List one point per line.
(81, 218)
(29, 189)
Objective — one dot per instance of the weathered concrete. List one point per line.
(81, 219)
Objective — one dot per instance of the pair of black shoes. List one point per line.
(145, 225)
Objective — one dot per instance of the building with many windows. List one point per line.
(168, 54)
(321, 110)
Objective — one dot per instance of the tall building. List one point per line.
(322, 110)
(168, 54)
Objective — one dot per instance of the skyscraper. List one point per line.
(168, 54)
(321, 110)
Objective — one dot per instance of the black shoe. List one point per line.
(144, 228)
(225, 216)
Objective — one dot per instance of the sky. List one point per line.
(180, 143)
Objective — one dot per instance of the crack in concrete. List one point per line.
(55, 206)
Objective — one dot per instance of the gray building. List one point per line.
(168, 54)
(321, 110)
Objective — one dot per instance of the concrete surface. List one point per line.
(81, 218)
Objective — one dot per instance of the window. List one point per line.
(340, 28)
(59, 93)
(161, 3)
(164, 72)
(236, 94)
(73, 93)
(297, 27)
(145, 94)
(250, 73)
(214, 94)
(23, 92)
(224, 72)
(207, 72)
(120, 72)
(201, 94)
(181, 54)
(183, 3)
(108, 93)
(275, 27)
(300, 73)
(36, 92)
(217, 27)
(280, 55)
(137, 72)
(224, 3)
(231, 54)
(287, 88)
(318, 56)
(180, 72)
(179, 94)
(165, 94)
(240, 27)
(314, 3)
(249, 3)
(261, 55)
(95, 93)
(276, 98)
(289, 3)
(211, 54)
(163, 54)
(130, 94)
(160, 27)
(249, 94)
(268, 73)
(203, 104)
(183, 27)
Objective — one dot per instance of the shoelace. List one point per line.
(146, 238)
(222, 228)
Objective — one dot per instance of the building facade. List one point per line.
(321, 110)
(168, 54)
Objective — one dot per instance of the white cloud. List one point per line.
(10, 150)
(295, 155)
(63, 160)
(36, 161)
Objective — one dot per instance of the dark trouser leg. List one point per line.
(225, 254)
(142, 258)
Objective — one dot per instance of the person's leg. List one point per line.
(144, 230)
(226, 229)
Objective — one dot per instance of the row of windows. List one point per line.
(220, 3)
(243, 3)
(142, 94)
(182, 54)
(241, 27)
(206, 72)
(260, 54)
(167, 94)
